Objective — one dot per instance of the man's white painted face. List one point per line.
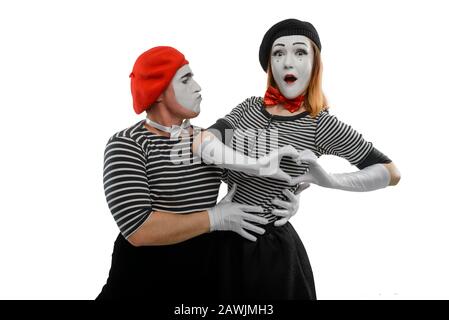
(187, 90)
(291, 64)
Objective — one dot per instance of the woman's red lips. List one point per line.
(289, 78)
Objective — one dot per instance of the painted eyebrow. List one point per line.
(299, 43)
(279, 44)
(187, 75)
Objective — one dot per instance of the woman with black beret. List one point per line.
(293, 112)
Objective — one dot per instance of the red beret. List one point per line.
(152, 73)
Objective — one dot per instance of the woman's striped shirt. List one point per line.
(256, 132)
(145, 172)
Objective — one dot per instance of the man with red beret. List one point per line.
(166, 208)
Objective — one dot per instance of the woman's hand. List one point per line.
(231, 216)
(316, 174)
(290, 207)
(269, 165)
(371, 178)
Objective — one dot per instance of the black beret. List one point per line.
(287, 27)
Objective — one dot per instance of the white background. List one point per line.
(65, 90)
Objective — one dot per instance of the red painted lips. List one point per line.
(289, 78)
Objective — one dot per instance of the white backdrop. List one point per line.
(65, 90)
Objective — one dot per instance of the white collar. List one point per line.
(174, 130)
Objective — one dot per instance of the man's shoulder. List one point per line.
(134, 133)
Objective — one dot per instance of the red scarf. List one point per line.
(274, 97)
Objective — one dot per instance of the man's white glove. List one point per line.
(213, 151)
(231, 216)
(290, 207)
(370, 178)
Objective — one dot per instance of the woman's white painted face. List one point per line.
(187, 90)
(291, 64)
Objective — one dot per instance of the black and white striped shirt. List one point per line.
(256, 132)
(145, 172)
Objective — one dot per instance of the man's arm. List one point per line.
(164, 228)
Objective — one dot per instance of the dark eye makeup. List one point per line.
(301, 51)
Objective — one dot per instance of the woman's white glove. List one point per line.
(290, 207)
(213, 151)
(231, 216)
(368, 179)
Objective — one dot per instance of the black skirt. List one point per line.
(214, 266)
(275, 267)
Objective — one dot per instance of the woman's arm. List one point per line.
(395, 175)
(372, 177)
(207, 146)
(337, 138)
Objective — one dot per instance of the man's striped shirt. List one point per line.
(145, 172)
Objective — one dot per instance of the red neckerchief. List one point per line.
(274, 97)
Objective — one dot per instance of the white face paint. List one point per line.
(187, 90)
(292, 64)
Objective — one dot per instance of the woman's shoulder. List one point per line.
(324, 116)
(324, 113)
(251, 103)
(255, 100)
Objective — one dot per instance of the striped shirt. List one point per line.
(145, 172)
(255, 132)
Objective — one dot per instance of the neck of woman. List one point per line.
(279, 110)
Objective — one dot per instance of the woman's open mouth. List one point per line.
(289, 78)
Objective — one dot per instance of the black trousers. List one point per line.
(172, 272)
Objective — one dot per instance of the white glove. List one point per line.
(229, 216)
(213, 151)
(370, 178)
(290, 207)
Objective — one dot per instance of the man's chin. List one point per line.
(197, 111)
(196, 115)
(193, 114)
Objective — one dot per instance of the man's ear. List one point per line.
(164, 94)
(158, 100)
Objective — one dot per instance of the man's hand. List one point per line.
(290, 207)
(231, 216)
